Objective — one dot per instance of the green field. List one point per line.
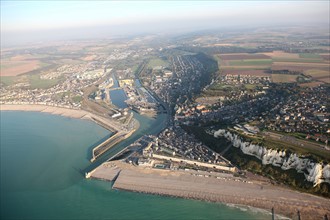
(7, 80)
(34, 80)
(309, 55)
(298, 60)
(251, 62)
(283, 78)
(77, 98)
(245, 67)
(37, 83)
(250, 86)
(221, 87)
(157, 62)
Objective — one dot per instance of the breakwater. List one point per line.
(110, 142)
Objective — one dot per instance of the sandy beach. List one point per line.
(66, 112)
(72, 113)
(106, 123)
(214, 187)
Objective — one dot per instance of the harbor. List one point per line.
(48, 180)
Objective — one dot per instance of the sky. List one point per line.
(40, 20)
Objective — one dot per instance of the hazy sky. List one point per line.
(41, 19)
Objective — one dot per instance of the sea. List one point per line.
(43, 161)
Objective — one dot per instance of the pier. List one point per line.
(107, 144)
(110, 142)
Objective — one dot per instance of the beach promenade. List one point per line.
(214, 187)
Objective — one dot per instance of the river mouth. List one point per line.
(41, 174)
(147, 126)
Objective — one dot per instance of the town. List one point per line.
(246, 93)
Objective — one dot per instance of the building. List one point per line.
(128, 82)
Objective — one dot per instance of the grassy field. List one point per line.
(7, 80)
(250, 86)
(77, 99)
(302, 60)
(251, 62)
(221, 86)
(243, 68)
(309, 55)
(283, 78)
(37, 83)
(157, 62)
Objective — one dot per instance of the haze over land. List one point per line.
(39, 21)
(219, 101)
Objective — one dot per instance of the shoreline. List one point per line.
(54, 110)
(106, 123)
(186, 184)
(65, 112)
(213, 187)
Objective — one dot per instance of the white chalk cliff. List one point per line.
(314, 172)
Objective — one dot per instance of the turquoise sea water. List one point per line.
(43, 158)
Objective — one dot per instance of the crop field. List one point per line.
(310, 64)
(282, 54)
(309, 55)
(325, 56)
(21, 64)
(321, 75)
(254, 72)
(283, 78)
(243, 56)
(299, 60)
(250, 62)
(14, 68)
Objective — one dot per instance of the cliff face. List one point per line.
(313, 171)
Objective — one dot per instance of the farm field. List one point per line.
(321, 75)
(316, 66)
(251, 62)
(283, 78)
(14, 68)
